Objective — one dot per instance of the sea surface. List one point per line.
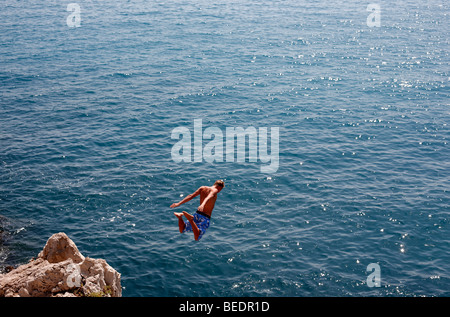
(86, 121)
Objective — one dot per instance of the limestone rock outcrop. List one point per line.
(60, 270)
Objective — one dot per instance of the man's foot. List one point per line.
(178, 214)
(188, 216)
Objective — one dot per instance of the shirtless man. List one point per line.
(199, 222)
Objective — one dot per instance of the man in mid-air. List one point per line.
(199, 222)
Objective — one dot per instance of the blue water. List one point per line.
(86, 115)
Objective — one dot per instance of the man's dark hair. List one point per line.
(219, 183)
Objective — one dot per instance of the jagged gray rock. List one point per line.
(60, 270)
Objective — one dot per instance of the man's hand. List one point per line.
(174, 205)
(200, 208)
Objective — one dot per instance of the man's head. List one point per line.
(219, 184)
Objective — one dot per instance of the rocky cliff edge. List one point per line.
(60, 270)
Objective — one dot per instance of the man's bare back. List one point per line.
(208, 205)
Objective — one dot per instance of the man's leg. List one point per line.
(190, 218)
(181, 224)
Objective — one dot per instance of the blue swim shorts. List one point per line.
(202, 222)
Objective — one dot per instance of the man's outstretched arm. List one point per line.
(187, 198)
